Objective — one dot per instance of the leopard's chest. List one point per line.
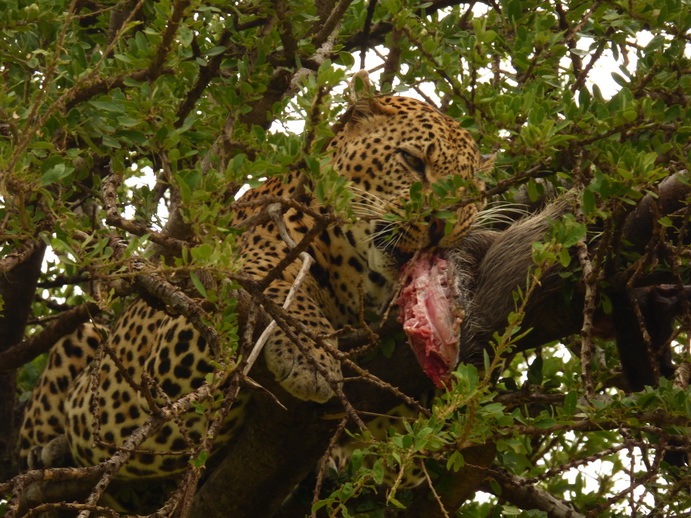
(349, 276)
(352, 277)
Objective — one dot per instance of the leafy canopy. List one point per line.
(187, 101)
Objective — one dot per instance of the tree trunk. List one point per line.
(17, 287)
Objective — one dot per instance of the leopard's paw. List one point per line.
(54, 454)
(298, 374)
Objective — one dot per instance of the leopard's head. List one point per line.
(393, 150)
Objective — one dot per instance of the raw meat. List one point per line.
(430, 316)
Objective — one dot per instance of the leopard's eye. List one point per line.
(415, 163)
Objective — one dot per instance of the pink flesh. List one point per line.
(427, 316)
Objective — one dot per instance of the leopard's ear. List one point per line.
(360, 87)
(363, 100)
(363, 105)
(486, 163)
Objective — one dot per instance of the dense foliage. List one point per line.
(114, 115)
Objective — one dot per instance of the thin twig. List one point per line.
(437, 498)
(324, 461)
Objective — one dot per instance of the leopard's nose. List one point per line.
(435, 229)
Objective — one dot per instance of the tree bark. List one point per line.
(17, 287)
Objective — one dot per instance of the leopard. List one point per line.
(387, 147)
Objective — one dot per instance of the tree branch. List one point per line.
(27, 350)
(20, 255)
(525, 495)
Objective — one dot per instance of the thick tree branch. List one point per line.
(528, 496)
(206, 74)
(27, 350)
(20, 255)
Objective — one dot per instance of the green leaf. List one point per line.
(132, 137)
(535, 371)
(388, 346)
(42, 145)
(107, 106)
(570, 402)
(456, 461)
(56, 173)
(202, 253)
(200, 460)
(565, 257)
(346, 59)
(198, 284)
(128, 122)
(416, 192)
(110, 142)
(319, 504)
(215, 51)
(588, 202)
(123, 57)
(545, 422)
(395, 503)
(378, 471)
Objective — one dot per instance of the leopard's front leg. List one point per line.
(299, 363)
